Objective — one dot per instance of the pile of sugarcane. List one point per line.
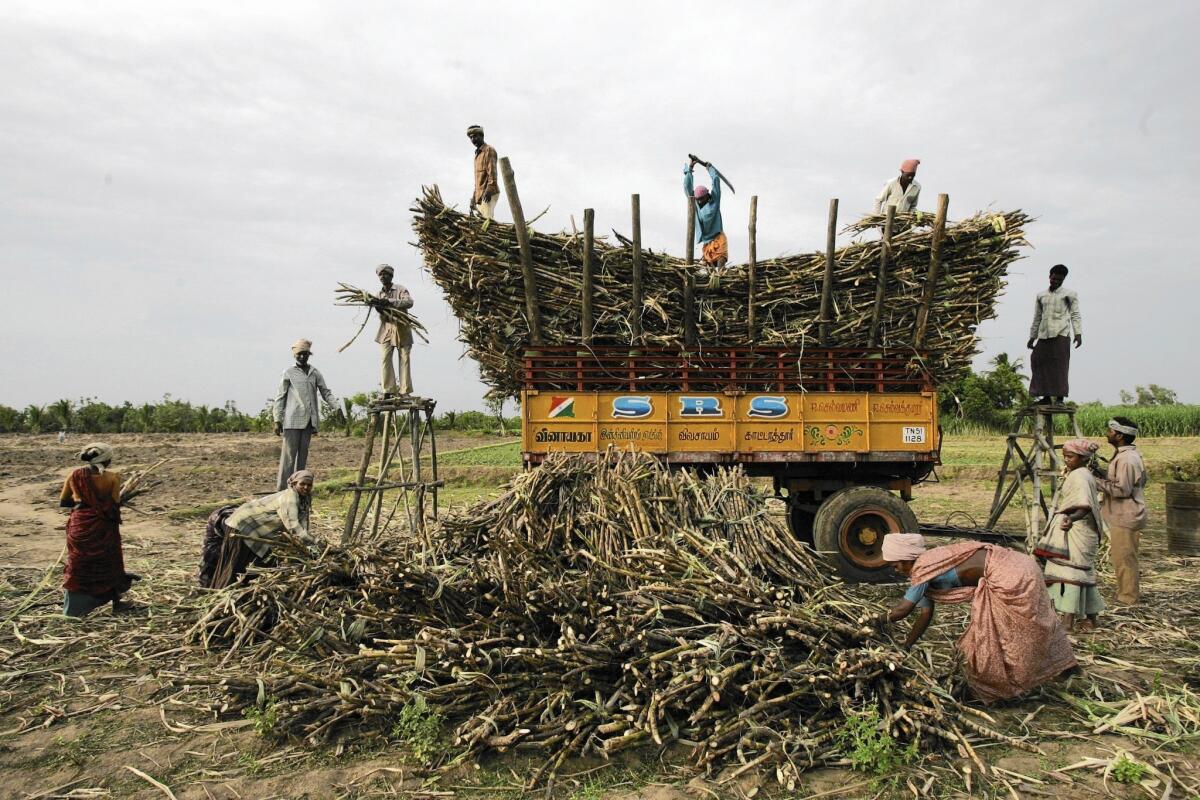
(591, 607)
(479, 269)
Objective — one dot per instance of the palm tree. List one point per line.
(34, 418)
(64, 412)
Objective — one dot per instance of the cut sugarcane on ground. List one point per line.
(478, 268)
(592, 607)
(80, 700)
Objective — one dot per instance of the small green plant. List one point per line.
(419, 727)
(1126, 770)
(870, 747)
(264, 717)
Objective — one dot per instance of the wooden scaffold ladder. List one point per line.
(1032, 463)
(407, 467)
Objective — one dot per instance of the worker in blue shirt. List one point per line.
(708, 216)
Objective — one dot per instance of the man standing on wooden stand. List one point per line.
(487, 188)
(1055, 317)
(393, 336)
(297, 415)
(709, 230)
(902, 191)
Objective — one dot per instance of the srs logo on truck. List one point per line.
(632, 406)
(767, 407)
(700, 406)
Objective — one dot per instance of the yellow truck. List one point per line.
(843, 433)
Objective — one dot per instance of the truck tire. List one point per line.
(849, 528)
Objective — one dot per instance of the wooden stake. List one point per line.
(690, 336)
(935, 267)
(827, 284)
(589, 220)
(885, 252)
(750, 310)
(635, 316)
(368, 446)
(531, 296)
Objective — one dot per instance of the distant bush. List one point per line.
(88, 415)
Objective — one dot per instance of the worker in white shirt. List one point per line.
(901, 191)
(1055, 318)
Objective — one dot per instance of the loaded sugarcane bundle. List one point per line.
(348, 295)
(592, 607)
(479, 269)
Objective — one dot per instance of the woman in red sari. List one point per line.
(95, 572)
(1014, 641)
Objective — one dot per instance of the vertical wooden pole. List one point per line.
(635, 315)
(827, 284)
(689, 282)
(349, 531)
(531, 299)
(751, 319)
(589, 220)
(885, 252)
(935, 268)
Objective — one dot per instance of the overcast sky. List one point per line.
(181, 190)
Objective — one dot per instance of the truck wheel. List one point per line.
(850, 527)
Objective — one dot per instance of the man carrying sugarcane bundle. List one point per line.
(237, 536)
(394, 335)
(1055, 318)
(901, 191)
(297, 415)
(487, 189)
(707, 203)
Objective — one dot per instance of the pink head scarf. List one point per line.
(903, 546)
(910, 165)
(1080, 447)
(701, 191)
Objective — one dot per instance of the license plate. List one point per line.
(914, 435)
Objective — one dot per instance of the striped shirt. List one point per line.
(296, 401)
(260, 522)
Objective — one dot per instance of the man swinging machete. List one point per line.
(709, 231)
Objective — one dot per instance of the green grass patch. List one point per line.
(507, 454)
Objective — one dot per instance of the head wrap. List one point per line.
(701, 191)
(302, 344)
(1128, 430)
(909, 165)
(382, 267)
(475, 129)
(97, 454)
(903, 546)
(301, 475)
(1080, 447)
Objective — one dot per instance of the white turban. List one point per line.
(382, 267)
(903, 546)
(302, 344)
(301, 475)
(97, 454)
(1128, 430)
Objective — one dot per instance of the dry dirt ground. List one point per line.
(113, 706)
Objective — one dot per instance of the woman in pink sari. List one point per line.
(1014, 641)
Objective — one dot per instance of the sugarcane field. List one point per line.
(398, 402)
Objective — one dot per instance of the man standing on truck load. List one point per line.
(394, 335)
(297, 415)
(1124, 506)
(709, 231)
(902, 191)
(1055, 317)
(487, 189)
